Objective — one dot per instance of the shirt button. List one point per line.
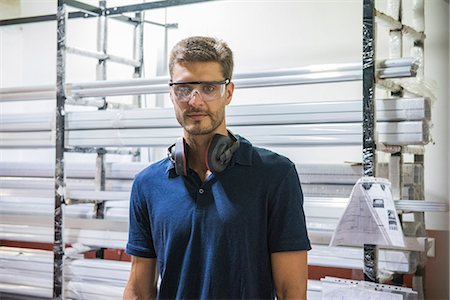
(201, 191)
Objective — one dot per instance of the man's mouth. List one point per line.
(196, 115)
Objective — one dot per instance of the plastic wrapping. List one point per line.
(86, 290)
(29, 272)
(95, 102)
(76, 250)
(393, 8)
(96, 278)
(395, 36)
(418, 20)
(389, 261)
(417, 53)
(395, 44)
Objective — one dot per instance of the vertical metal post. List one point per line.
(395, 51)
(418, 281)
(369, 141)
(396, 179)
(58, 243)
(154, 153)
(161, 68)
(102, 41)
(138, 52)
(418, 23)
(418, 54)
(396, 159)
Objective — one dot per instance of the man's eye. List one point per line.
(184, 90)
(209, 88)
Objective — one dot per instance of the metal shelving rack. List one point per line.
(60, 145)
(397, 32)
(95, 92)
(102, 12)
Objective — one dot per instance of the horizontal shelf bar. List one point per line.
(113, 11)
(49, 94)
(394, 133)
(98, 195)
(103, 56)
(150, 5)
(74, 170)
(401, 109)
(237, 115)
(317, 134)
(391, 68)
(96, 11)
(94, 238)
(80, 274)
(340, 257)
(32, 175)
(33, 183)
(421, 206)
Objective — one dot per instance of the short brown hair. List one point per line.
(202, 49)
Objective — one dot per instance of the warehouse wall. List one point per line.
(263, 35)
(261, 40)
(448, 125)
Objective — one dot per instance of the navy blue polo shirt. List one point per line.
(213, 239)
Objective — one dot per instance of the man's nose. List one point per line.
(196, 98)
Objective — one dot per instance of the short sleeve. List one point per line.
(140, 241)
(287, 226)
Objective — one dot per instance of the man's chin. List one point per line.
(198, 131)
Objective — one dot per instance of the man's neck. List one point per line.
(197, 153)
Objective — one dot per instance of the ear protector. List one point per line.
(218, 155)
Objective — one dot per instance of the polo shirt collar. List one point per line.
(243, 154)
(170, 170)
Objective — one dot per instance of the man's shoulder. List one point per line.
(153, 171)
(261, 156)
(271, 159)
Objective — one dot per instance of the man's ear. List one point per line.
(229, 92)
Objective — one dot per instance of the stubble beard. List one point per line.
(196, 128)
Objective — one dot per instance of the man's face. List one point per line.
(197, 116)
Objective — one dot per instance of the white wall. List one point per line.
(437, 72)
(448, 120)
(263, 35)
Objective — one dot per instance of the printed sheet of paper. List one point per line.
(334, 291)
(340, 288)
(370, 216)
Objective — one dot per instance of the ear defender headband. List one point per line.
(219, 153)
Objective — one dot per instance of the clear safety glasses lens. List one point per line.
(208, 90)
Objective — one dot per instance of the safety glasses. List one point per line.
(208, 90)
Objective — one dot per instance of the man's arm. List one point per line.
(142, 282)
(290, 274)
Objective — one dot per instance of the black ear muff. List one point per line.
(177, 154)
(220, 151)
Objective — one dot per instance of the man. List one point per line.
(221, 219)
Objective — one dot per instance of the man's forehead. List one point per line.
(197, 64)
(198, 69)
